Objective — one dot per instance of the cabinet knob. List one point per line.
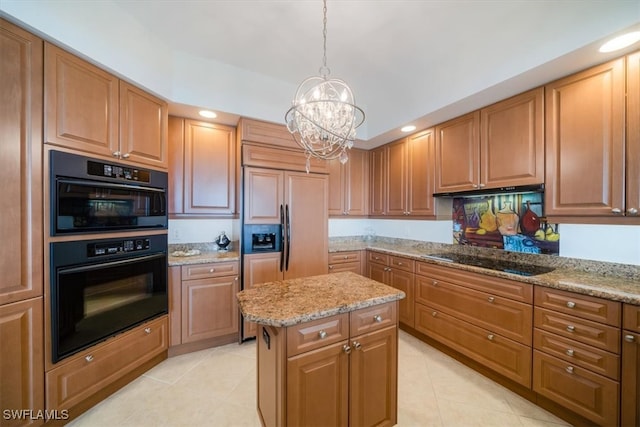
(474, 185)
(571, 304)
(116, 154)
(322, 335)
(331, 267)
(434, 283)
(571, 328)
(356, 345)
(629, 338)
(126, 155)
(434, 314)
(569, 369)
(399, 263)
(491, 299)
(490, 337)
(346, 257)
(346, 348)
(377, 318)
(616, 211)
(569, 352)
(211, 270)
(89, 358)
(147, 330)
(632, 211)
(481, 185)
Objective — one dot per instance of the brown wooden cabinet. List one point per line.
(91, 110)
(630, 392)
(585, 133)
(397, 272)
(632, 200)
(348, 185)
(377, 181)
(499, 146)
(339, 370)
(203, 305)
(202, 168)
(259, 268)
(345, 261)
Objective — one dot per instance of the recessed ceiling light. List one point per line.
(620, 42)
(208, 114)
(408, 128)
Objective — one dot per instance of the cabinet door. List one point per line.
(378, 184)
(374, 379)
(259, 268)
(175, 305)
(80, 104)
(585, 142)
(175, 199)
(357, 184)
(143, 127)
(633, 135)
(318, 387)
(377, 272)
(421, 173)
(263, 195)
(396, 178)
(458, 154)
(337, 178)
(21, 231)
(21, 358)
(512, 141)
(631, 379)
(209, 168)
(404, 280)
(209, 308)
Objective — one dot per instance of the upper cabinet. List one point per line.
(348, 185)
(90, 110)
(202, 168)
(632, 205)
(402, 177)
(585, 159)
(501, 145)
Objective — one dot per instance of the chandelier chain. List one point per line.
(324, 71)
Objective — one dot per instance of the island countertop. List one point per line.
(290, 302)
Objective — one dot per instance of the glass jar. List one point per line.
(507, 220)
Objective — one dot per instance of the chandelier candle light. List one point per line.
(323, 118)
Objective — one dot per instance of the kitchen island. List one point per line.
(327, 350)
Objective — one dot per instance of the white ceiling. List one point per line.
(419, 61)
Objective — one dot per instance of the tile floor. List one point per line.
(216, 387)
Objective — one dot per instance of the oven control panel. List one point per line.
(117, 247)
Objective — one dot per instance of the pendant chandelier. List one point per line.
(323, 117)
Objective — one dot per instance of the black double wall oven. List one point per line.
(102, 284)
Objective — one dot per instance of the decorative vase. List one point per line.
(488, 219)
(507, 220)
(530, 222)
(222, 241)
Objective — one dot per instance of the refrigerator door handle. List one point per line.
(282, 225)
(287, 220)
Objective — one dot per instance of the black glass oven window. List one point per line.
(95, 302)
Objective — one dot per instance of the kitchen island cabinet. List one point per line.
(327, 350)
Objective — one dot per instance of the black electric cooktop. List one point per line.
(492, 264)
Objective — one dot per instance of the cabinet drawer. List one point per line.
(317, 333)
(377, 257)
(213, 269)
(92, 370)
(507, 357)
(506, 317)
(341, 257)
(512, 289)
(373, 318)
(354, 267)
(585, 331)
(597, 360)
(631, 317)
(591, 308)
(402, 263)
(590, 395)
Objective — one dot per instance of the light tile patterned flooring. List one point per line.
(217, 387)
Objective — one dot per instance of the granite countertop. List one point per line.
(199, 253)
(290, 302)
(617, 282)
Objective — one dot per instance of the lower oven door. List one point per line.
(93, 301)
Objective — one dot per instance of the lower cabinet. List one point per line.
(395, 271)
(203, 304)
(340, 370)
(630, 415)
(345, 261)
(91, 371)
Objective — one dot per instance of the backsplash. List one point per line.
(512, 222)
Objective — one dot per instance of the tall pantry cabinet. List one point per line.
(21, 252)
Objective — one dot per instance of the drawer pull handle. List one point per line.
(490, 337)
(629, 338)
(571, 304)
(491, 299)
(346, 349)
(569, 369)
(571, 328)
(357, 345)
(377, 318)
(147, 330)
(434, 314)
(89, 358)
(322, 335)
(569, 352)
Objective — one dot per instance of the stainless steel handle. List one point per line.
(569, 352)
(490, 337)
(571, 328)
(491, 299)
(147, 330)
(126, 155)
(377, 318)
(322, 335)
(346, 348)
(282, 237)
(616, 211)
(632, 211)
(569, 369)
(629, 338)
(356, 345)
(89, 358)
(571, 304)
